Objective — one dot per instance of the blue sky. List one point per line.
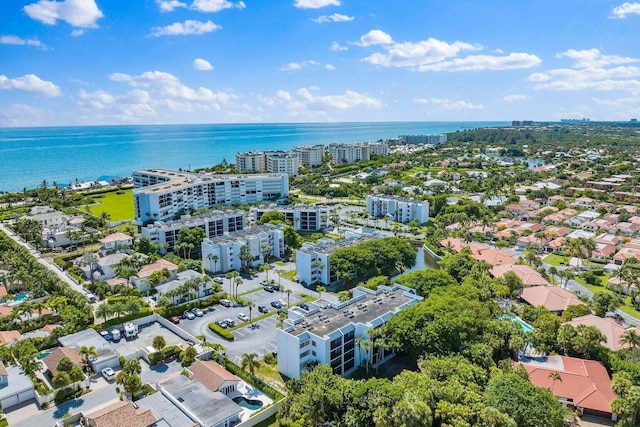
(75, 62)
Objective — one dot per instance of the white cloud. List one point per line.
(625, 9)
(329, 67)
(188, 27)
(15, 40)
(293, 66)
(336, 17)
(515, 97)
(449, 105)
(30, 83)
(336, 47)
(202, 64)
(78, 13)
(590, 58)
(437, 55)
(169, 5)
(315, 4)
(215, 5)
(616, 102)
(349, 100)
(374, 37)
(77, 33)
(591, 71)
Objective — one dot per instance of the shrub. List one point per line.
(144, 311)
(270, 358)
(255, 381)
(591, 279)
(157, 357)
(598, 272)
(222, 332)
(64, 395)
(171, 350)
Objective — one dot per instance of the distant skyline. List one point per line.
(92, 62)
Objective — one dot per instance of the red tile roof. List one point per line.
(585, 382)
(9, 336)
(210, 374)
(52, 360)
(610, 328)
(148, 269)
(552, 297)
(528, 275)
(121, 414)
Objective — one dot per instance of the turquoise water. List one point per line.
(524, 325)
(43, 354)
(248, 403)
(21, 297)
(62, 154)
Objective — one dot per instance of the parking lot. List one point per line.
(146, 334)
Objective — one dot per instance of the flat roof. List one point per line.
(197, 219)
(207, 406)
(165, 411)
(358, 310)
(18, 382)
(90, 337)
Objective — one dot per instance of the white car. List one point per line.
(243, 317)
(108, 374)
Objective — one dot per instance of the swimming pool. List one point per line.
(248, 403)
(43, 354)
(22, 296)
(524, 325)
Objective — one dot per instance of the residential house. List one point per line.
(584, 202)
(205, 288)
(214, 377)
(626, 253)
(141, 279)
(107, 353)
(516, 209)
(8, 337)
(526, 274)
(554, 298)
(15, 386)
(612, 329)
(115, 241)
(609, 239)
(603, 252)
(584, 384)
(122, 413)
(53, 359)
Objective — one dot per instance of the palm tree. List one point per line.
(104, 310)
(288, 292)
(251, 305)
(320, 290)
(250, 361)
(265, 268)
(279, 272)
(214, 258)
(231, 276)
(159, 342)
(87, 353)
(555, 376)
(632, 339)
(238, 281)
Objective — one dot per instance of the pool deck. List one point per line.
(251, 393)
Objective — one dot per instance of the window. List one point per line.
(304, 343)
(304, 354)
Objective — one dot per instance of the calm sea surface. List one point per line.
(63, 154)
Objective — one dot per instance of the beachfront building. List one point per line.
(302, 217)
(160, 195)
(225, 253)
(215, 223)
(433, 139)
(350, 153)
(310, 156)
(396, 208)
(312, 260)
(283, 162)
(328, 332)
(251, 162)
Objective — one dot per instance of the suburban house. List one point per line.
(141, 280)
(15, 386)
(611, 328)
(115, 241)
(554, 298)
(526, 274)
(7, 337)
(120, 414)
(53, 359)
(107, 353)
(214, 377)
(583, 384)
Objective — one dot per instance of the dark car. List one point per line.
(106, 335)
(275, 287)
(276, 304)
(304, 306)
(269, 289)
(282, 311)
(174, 319)
(263, 309)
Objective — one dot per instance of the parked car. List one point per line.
(264, 283)
(276, 304)
(263, 309)
(275, 287)
(222, 324)
(189, 315)
(197, 312)
(243, 317)
(218, 280)
(269, 289)
(226, 303)
(108, 374)
(230, 322)
(106, 335)
(174, 319)
(282, 311)
(115, 334)
(304, 306)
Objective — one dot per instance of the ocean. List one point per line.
(84, 153)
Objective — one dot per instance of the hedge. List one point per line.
(144, 311)
(156, 357)
(253, 380)
(175, 310)
(221, 331)
(126, 298)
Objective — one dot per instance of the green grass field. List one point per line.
(118, 206)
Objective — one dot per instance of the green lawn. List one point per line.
(555, 259)
(627, 307)
(269, 422)
(118, 206)
(289, 274)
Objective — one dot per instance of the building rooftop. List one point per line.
(160, 264)
(208, 407)
(210, 374)
(528, 275)
(610, 328)
(165, 411)
(552, 297)
(9, 336)
(90, 337)
(188, 220)
(53, 358)
(175, 180)
(115, 237)
(327, 247)
(241, 235)
(121, 414)
(365, 307)
(182, 277)
(397, 198)
(18, 382)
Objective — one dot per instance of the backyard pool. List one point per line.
(248, 403)
(43, 354)
(22, 296)
(524, 325)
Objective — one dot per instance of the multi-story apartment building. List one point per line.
(251, 162)
(399, 209)
(283, 162)
(162, 194)
(424, 139)
(222, 254)
(310, 155)
(312, 260)
(302, 217)
(351, 153)
(327, 333)
(214, 223)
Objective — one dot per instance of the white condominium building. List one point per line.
(214, 223)
(399, 209)
(222, 254)
(302, 217)
(312, 260)
(351, 153)
(251, 162)
(310, 155)
(327, 333)
(424, 139)
(161, 194)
